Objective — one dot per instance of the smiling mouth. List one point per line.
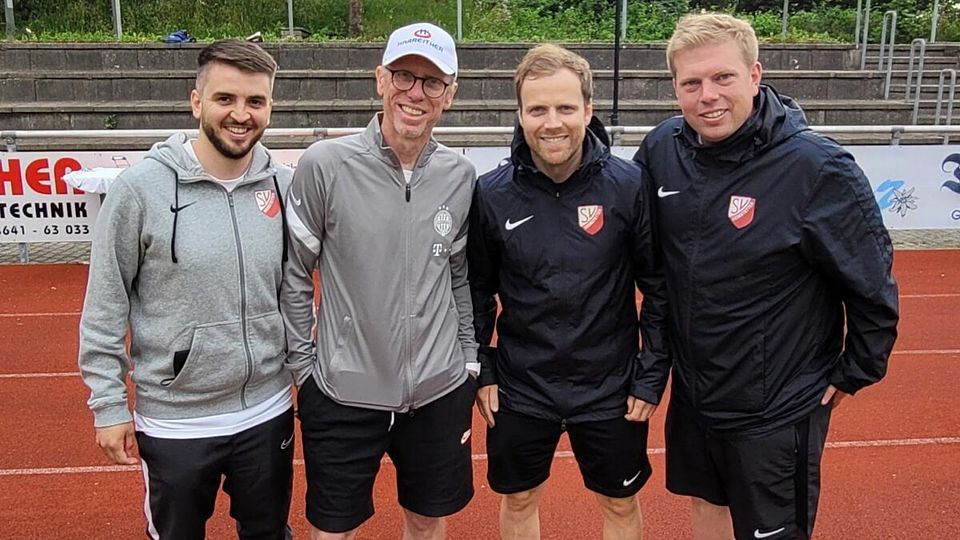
(713, 115)
(238, 130)
(411, 111)
(553, 140)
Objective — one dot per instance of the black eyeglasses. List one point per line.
(403, 81)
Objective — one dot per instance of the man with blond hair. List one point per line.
(778, 269)
(561, 235)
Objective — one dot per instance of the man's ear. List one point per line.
(196, 103)
(381, 76)
(756, 73)
(448, 96)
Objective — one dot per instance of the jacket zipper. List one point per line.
(243, 304)
(407, 361)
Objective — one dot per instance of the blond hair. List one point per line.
(547, 59)
(710, 29)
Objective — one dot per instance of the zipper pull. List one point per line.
(408, 192)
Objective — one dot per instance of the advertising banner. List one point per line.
(916, 187)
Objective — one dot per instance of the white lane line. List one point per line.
(927, 351)
(46, 314)
(882, 443)
(38, 375)
(78, 313)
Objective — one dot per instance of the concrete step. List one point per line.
(357, 112)
(135, 85)
(338, 55)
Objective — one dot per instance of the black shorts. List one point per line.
(611, 454)
(343, 447)
(771, 493)
(183, 477)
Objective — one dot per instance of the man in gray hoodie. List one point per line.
(383, 215)
(187, 254)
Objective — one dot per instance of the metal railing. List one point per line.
(918, 50)
(11, 138)
(886, 42)
(945, 74)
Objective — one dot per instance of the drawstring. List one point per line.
(176, 212)
(283, 217)
(391, 421)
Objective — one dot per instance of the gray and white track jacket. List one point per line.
(206, 336)
(395, 325)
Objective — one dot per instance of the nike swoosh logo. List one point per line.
(661, 193)
(286, 443)
(632, 480)
(174, 209)
(296, 201)
(465, 437)
(758, 534)
(513, 225)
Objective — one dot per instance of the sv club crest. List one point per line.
(741, 210)
(590, 218)
(267, 202)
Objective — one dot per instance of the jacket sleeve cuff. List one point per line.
(111, 416)
(641, 391)
(301, 370)
(488, 366)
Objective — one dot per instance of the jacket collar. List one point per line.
(596, 151)
(373, 139)
(774, 119)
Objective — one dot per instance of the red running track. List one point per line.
(892, 469)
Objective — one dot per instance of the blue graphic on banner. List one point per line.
(952, 185)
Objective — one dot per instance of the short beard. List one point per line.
(222, 147)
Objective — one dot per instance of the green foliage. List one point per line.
(483, 20)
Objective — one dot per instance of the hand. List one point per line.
(834, 395)
(117, 443)
(488, 402)
(639, 410)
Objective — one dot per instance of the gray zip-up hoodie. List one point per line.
(206, 336)
(395, 324)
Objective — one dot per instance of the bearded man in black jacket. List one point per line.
(561, 234)
(778, 270)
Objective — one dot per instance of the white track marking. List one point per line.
(881, 443)
(38, 375)
(932, 352)
(47, 314)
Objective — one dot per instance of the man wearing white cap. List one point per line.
(383, 216)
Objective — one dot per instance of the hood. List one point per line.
(596, 150)
(775, 118)
(172, 154)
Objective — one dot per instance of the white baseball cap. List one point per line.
(426, 40)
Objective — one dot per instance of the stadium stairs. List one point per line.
(141, 86)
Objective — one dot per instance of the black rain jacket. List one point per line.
(772, 240)
(565, 261)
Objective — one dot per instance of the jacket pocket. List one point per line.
(336, 364)
(216, 362)
(737, 384)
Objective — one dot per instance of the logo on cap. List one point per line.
(422, 33)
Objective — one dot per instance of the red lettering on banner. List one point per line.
(10, 175)
(62, 167)
(37, 176)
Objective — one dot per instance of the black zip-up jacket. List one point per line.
(565, 261)
(772, 239)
